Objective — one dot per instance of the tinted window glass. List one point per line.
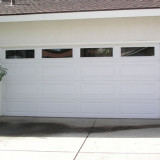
(56, 53)
(16, 54)
(96, 52)
(137, 51)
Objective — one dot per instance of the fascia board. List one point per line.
(81, 15)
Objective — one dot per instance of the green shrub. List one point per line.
(3, 72)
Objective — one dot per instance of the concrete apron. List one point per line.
(79, 138)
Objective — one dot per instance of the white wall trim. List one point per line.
(122, 43)
(81, 15)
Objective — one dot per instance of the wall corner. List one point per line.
(0, 87)
(0, 98)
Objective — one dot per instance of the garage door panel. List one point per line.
(142, 71)
(49, 89)
(58, 72)
(102, 87)
(139, 90)
(97, 91)
(27, 72)
(139, 108)
(98, 108)
(21, 90)
(58, 107)
(97, 97)
(97, 72)
(17, 107)
(97, 88)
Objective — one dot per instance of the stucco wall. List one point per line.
(80, 31)
(0, 99)
(0, 88)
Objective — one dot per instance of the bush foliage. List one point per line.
(3, 72)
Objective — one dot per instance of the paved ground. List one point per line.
(79, 139)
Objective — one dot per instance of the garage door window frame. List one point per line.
(18, 60)
(96, 52)
(20, 54)
(137, 51)
(156, 55)
(76, 54)
(65, 54)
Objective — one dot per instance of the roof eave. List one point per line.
(81, 15)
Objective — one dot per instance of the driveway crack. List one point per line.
(90, 130)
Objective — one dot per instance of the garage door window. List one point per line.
(18, 54)
(56, 53)
(137, 51)
(96, 52)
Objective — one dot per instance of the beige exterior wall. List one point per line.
(80, 31)
(0, 98)
(0, 87)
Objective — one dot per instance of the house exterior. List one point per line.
(74, 58)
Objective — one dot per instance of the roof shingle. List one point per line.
(61, 6)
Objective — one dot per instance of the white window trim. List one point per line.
(76, 51)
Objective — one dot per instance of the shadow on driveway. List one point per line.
(39, 129)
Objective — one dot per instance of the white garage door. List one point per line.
(102, 82)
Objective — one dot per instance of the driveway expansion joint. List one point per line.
(89, 131)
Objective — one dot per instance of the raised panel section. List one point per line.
(97, 90)
(20, 90)
(57, 72)
(139, 90)
(58, 89)
(15, 107)
(139, 108)
(139, 71)
(50, 107)
(97, 72)
(21, 72)
(98, 108)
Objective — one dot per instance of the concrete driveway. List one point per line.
(23, 138)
